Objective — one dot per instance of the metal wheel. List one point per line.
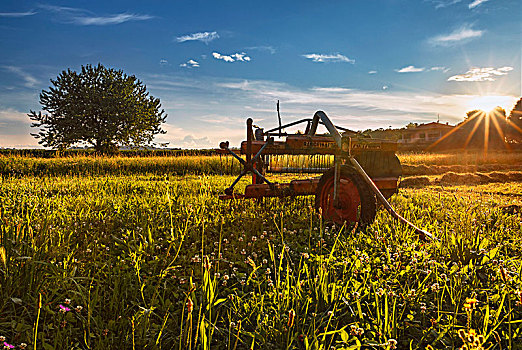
(356, 202)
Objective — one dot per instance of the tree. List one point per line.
(98, 106)
(514, 130)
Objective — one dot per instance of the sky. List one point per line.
(213, 64)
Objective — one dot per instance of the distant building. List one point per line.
(424, 134)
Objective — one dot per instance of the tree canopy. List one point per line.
(98, 106)
(515, 122)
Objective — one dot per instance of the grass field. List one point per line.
(111, 259)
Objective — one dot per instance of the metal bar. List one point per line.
(422, 233)
(341, 128)
(289, 125)
(230, 189)
(337, 180)
(331, 128)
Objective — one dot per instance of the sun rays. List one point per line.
(492, 124)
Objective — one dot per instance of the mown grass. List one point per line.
(471, 158)
(145, 261)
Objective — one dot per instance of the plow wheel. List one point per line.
(356, 202)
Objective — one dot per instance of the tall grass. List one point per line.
(154, 262)
(218, 165)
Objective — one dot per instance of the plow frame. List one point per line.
(256, 147)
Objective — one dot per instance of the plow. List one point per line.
(357, 172)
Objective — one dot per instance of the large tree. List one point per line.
(97, 106)
(515, 123)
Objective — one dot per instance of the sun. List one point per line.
(487, 103)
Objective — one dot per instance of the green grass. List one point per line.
(162, 263)
(80, 165)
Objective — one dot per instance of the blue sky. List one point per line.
(367, 63)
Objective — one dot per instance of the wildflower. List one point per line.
(353, 330)
(423, 308)
(2, 338)
(265, 261)
(330, 313)
(217, 274)
(8, 346)
(64, 309)
(240, 239)
(190, 305)
(470, 303)
(359, 331)
(305, 255)
(444, 277)
(356, 295)
(232, 324)
(243, 252)
(22, 345)
(254, 238)
(87, 251)
(435, 287)
(380, 292)
(268, 271)
(207, 264)
(392, 343)
(67, 301)
(226, 277)
(242, 282)
(105, 332)
(79, 308)
(291, 317)
(182, 280)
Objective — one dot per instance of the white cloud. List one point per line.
(439, 68)
(372, 72)
(322, 58)
(29, 80)
(464, 33)
(444, 3)
(481, 74)
(163, 62)
(232, 58)
(410, 69)
(262, 48)
(190, 64)
(17, 14)
(205, 37)
(476, 3)
(87, 18)
(110, 19)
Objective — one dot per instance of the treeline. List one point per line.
(45, 153)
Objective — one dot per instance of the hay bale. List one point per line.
(452, 178)
(498, 177)
(514, 175)
(415, 181)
